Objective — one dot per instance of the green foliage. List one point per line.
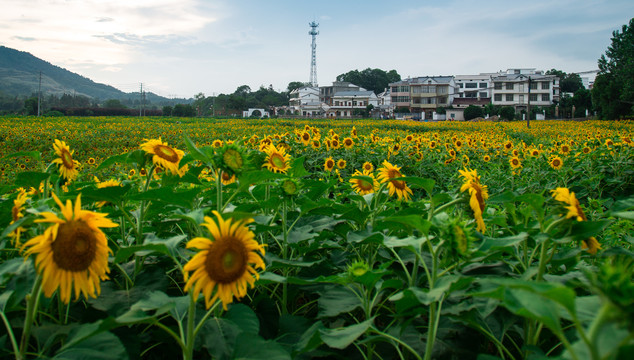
(507, 112)
(30, 106)
(472, 112)
(613, 89)
(375, 80)
(113, 103)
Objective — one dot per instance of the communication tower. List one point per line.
(313, 59)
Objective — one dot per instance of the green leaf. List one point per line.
(29, 179)
(244, 318)
(197, 153)
(219, 337)
(505, 197)
(104, 345)
(335, 300)
(297, 168)
(121, 158)
(410, 221)
(490, 244)
(113, 194)
(35, 155)
(260, 349)
(418, 182)
(414, 243)
(153, 305)
(168, 195)
(629, 215)
(152, 244)
(341, 338)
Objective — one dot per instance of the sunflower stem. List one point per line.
(219, 206)
(209, 312)
(32, 302)
(14, 343)
(284, 256)
(189, 337)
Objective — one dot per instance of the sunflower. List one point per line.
(329, 164)
(353, 132)
(277, 160)
(217, 143)
(334, 143)
(231, 159)
(72, 252)
(348, 143)
(164, 155)
(16, 214)
(568, 197)
(508, 145)
(486, 158)
(305, 138)
(315, 144)
(515, 162)
(555, 162)
(388, 172)
(227, 178)
(363, 186)
(91, 161)
(574, 211)
(67, 166)
(226, 262)
(341, 164)
(105, 184)
(367, 166)
(478, 193)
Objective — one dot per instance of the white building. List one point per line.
(343, 103)
(512, 88)
(305, 101)
(473, 86)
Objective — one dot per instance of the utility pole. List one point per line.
(141, 99)
(39, 96)
(528, 104)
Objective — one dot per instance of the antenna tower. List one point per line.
(313, 59)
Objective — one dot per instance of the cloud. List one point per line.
(24, 38)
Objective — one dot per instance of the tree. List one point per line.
(568, 83)
(295, 85)
(30, 106)
(167, 110)
(375, 80)
(613, 90)
(472, 112)
(507, 112)
(113, 104)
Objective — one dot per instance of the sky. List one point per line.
(179, 48)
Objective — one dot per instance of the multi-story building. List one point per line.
(305, 101)
(473, 86)
(327, 92)
(521, 87)
(423, 94)
(343, 103)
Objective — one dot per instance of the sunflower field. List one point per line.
(166, 238)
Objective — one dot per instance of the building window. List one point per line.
(545, 85)
(483, 94)
(442, 100)
(533, 97)
(533, 86)
(497, 97)
(470, 94)
(471, 85)
(442, 89)
(460, 85)
(545, 97)
(483, 85)
(497, 86)
(509, 97)
(509, 86)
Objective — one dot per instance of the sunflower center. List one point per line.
(226, 261)
(330, 164)
(233, 159)
(278, 161)
(166, 152)
(556, 162)
(364, 185)
(67, 159)
(75, 246)
(15, 213)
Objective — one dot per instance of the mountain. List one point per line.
(20, 71)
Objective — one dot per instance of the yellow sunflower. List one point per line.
(16, 214)
(329, 164)
(105, 184)
(341, 164)
(348, 143)
(556, 162)
(388, 172)
(367, 166)
(574, 211)
(478, 193)
(363, 186)
(72, 252)
(67, 165)
(277, 160)
(164, 155)
(515, 162)
(226, 262)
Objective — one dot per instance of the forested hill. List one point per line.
(20, 71)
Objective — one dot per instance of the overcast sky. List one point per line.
(178, 48)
